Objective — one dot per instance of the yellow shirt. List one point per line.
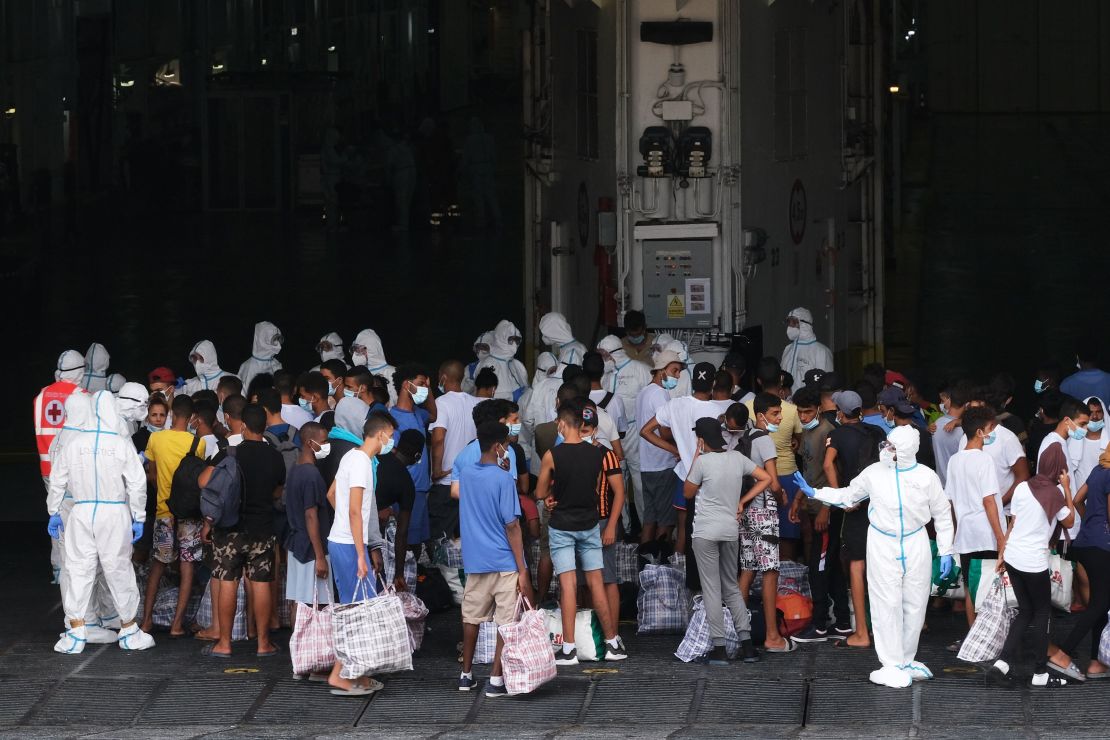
(166, 449)
(785, 463)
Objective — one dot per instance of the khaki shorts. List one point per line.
(490, 595)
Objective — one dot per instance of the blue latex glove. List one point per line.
(945, 566)
(803, 486)
(54, 526)
(136, 531)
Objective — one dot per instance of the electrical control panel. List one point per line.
(678, 283)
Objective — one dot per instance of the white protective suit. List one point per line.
(207, 369)
(804, 353)
(132, 405)
(481, 351)
(367, 352)
(336, 351)
(544, 364)
(96, 368)
(70, 367)
(103, 473)
(626, 378)
(264, 350)
(115, 383)
(555, 332)
(512, 376)
(685, 377)
(904, 496)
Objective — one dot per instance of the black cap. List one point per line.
(831, 382)
(708, 430)
(734, 361)
(701, 377)
(814, 376)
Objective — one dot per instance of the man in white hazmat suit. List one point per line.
(555, 332)
(330, 347)
(904, 496)
(206, 363)
(367, 352)
(512, 376)
(96, 368)
(481, 352)
(132, 402)
(804, 353)
(264, 350)
(106, 479)
(545, 364)
(683, 388)
(626, 377)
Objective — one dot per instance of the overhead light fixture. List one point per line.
(331, 49)
(895, 89)
(293, 31)
(264, 61)
(431, 30)
(9, 112)
(217, 67)
(127, 83)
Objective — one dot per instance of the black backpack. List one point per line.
(432, 589)
(184, 501)
(869, 447)
(744, 447)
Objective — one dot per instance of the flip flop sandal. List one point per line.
(208, 651)
(841, 644)
(269, 653)
(353, 691)
(1097, 676)
(789, 647)
(1054, 682)
(1071, 671)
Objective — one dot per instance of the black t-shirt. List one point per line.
(847, 441)
(394, 485)
(304, 489)
(577, 468)
(521, 459)
(263, 471)
(329, 466)
(1038, 430)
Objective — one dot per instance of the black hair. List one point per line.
(491, 409)
(588, 404)
(1051, 370)
(764, 402)
(1002, 387)
(959, 393)
(377, 421)
(206, 410)
(786, 380)
(231, 384)
(486, 378)
(582, 384)
(233, 406)
(315, 382)
(360, 375)
(206, 394)
(868, 394)
(409, 371)
(312, 430)
(1072, 408)
(722, 381)
(157, 399)
(807, 397)
(976, 418)
(491, 433)
(768, 374)
(284, 381)
(737, 413)
(514, 408)
(593, 366)
(634, 321)
(336, 367)
(875, 374)
(571, 412)
(411, 442)
(259, 383)
(379, 394)
(270, 399)
(182, 406)
(254, 418)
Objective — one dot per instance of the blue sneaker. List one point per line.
(495, 691)
(466, 683)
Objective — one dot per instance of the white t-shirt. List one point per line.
(679, 415)
(945, 445)
(763, 449)
(971, 478)
(1005, 452)
(454, 416)
(293, 415)
(648, 402)
(606, 429)
(1050, 439)
(355, 471)
(1027, 543)
(719, 476)
(212, 445)
(615, 409)
(1083, 457)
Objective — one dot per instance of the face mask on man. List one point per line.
(387, 447)
(793, 332)
(419, 394)
(637, 339)
(588, 439)
(990, 439)
(669, 383)
(889, 423)
(348, 393)
(304, 404)
(1096, 426)
(811, 424)
(1078, 433)
(322, 450)
(1039, 386)
(887, 457)
(514, 429)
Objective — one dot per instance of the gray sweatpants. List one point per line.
(718, 566)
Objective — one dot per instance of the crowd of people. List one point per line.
(740, 468)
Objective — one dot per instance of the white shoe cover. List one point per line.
(98, 635)
(72, 641)
(133, 638)
(917, 670)
(890, 676)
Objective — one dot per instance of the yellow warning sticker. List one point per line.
(596, 671)
(676, 307)
(240, 670)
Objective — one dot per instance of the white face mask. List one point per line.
(323, 451)
(886, 457)
(793, 332)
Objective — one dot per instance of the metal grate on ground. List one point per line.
(305, 703)
(854, 702)
(199, 701)
(731, 699)
(557, 702)
(18, 696)
(92, 702)
(401, 702)
(634, 699)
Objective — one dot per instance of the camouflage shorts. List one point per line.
(235, 554)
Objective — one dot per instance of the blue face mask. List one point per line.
(669, 383)
(387, 447)
(889, 423)
(348, 393)
(811, 424)
(990, 439)
(1096, 426)
(772, 428)
(514, 430)
(419, 394)
(304, 404)
(637, 340)
(559, 439)
(1078, 433)
(1039, 386)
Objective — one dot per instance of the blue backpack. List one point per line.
(222, 499)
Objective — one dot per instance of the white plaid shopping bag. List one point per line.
(697, 642)
(986, 637)
(526, 657)
(663, 604)
(239, 626)
(628, 562)
(415, 614)
(312, 645)
(486, 646)
(371, 635)
(1104, 646)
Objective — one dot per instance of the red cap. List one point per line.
(894, 377)
(161, 375)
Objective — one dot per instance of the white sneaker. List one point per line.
(98, 635)
(133, 638)
(891, 676)
(917, 670)
(72, 641)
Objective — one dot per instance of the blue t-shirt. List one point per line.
(1095, 531)
(416, 419)
(305, 489)
(487, 502)
(470, 455)
(1086, 383)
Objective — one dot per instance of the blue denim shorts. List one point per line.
(586, 545)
